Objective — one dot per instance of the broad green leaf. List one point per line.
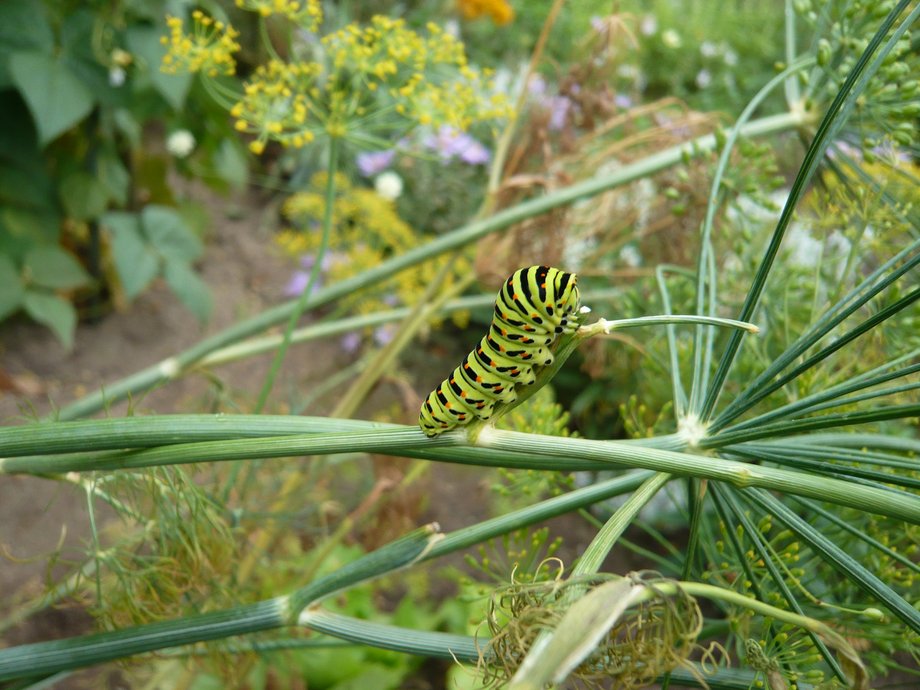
(22, 27)
(25, 186)
(83, 196)
(56, 97)
(136, 262)
(54, 312)
(18, 136)
(128, 125)
(51, 267)
(231, 164)
(144, 43)
(114, 177)
(189, 288)
(170, 235)
(79, 52)
(21, 229)
(11, 291)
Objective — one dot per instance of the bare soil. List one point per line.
(245, 273)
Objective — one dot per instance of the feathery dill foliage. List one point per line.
(525, 555)
(887, 110)
(365, 79)
(653, 638)
(172, 554)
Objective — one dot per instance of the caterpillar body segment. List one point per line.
(533, 307)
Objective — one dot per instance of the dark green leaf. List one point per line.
(128, 125)
(21, 228)
(144, 43)
(169, 234)
(22, 27)
(56, 97)
(79, 47)
(11, 291)
(136, 262)
(193, 291)
(114, 177)
(83, 196)
(54, 312)
(51, 267)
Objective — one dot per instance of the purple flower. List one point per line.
(371, 163)
(536, 86)
(621, 100)
(558, 110)
(474, 153)
(450, 143)
(351, 341)
(384, 334)
(298, 283)
(299, 279)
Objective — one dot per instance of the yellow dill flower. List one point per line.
(308, 15)
(382, 67)
(498, 10)
(427, 79)
(366, 231)
(276, 104)
(209, 48)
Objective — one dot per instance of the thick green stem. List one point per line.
(173, 367)
(496, 448)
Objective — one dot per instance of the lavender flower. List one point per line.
(451, 143)
(371, 163)
(384, 334)
(536, 86)
(558, 111)
(351, 342)
(298, 282)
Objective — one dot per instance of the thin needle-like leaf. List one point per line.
(836, 557)
(833, 120)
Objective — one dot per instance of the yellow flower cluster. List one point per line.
(209, 48)
(276, 104)
(367, 71)
(499, 10)
(366, 231)
(307, 15)
(427, 80)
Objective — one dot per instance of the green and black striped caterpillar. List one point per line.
(532, 308)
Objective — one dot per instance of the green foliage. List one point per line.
(157, 242)
(77, 87)
(790, 458)
(707, 53)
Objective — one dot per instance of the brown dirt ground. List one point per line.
(246, 275)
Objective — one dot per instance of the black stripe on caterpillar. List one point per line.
(534, 306)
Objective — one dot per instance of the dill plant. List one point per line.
(797, 466)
